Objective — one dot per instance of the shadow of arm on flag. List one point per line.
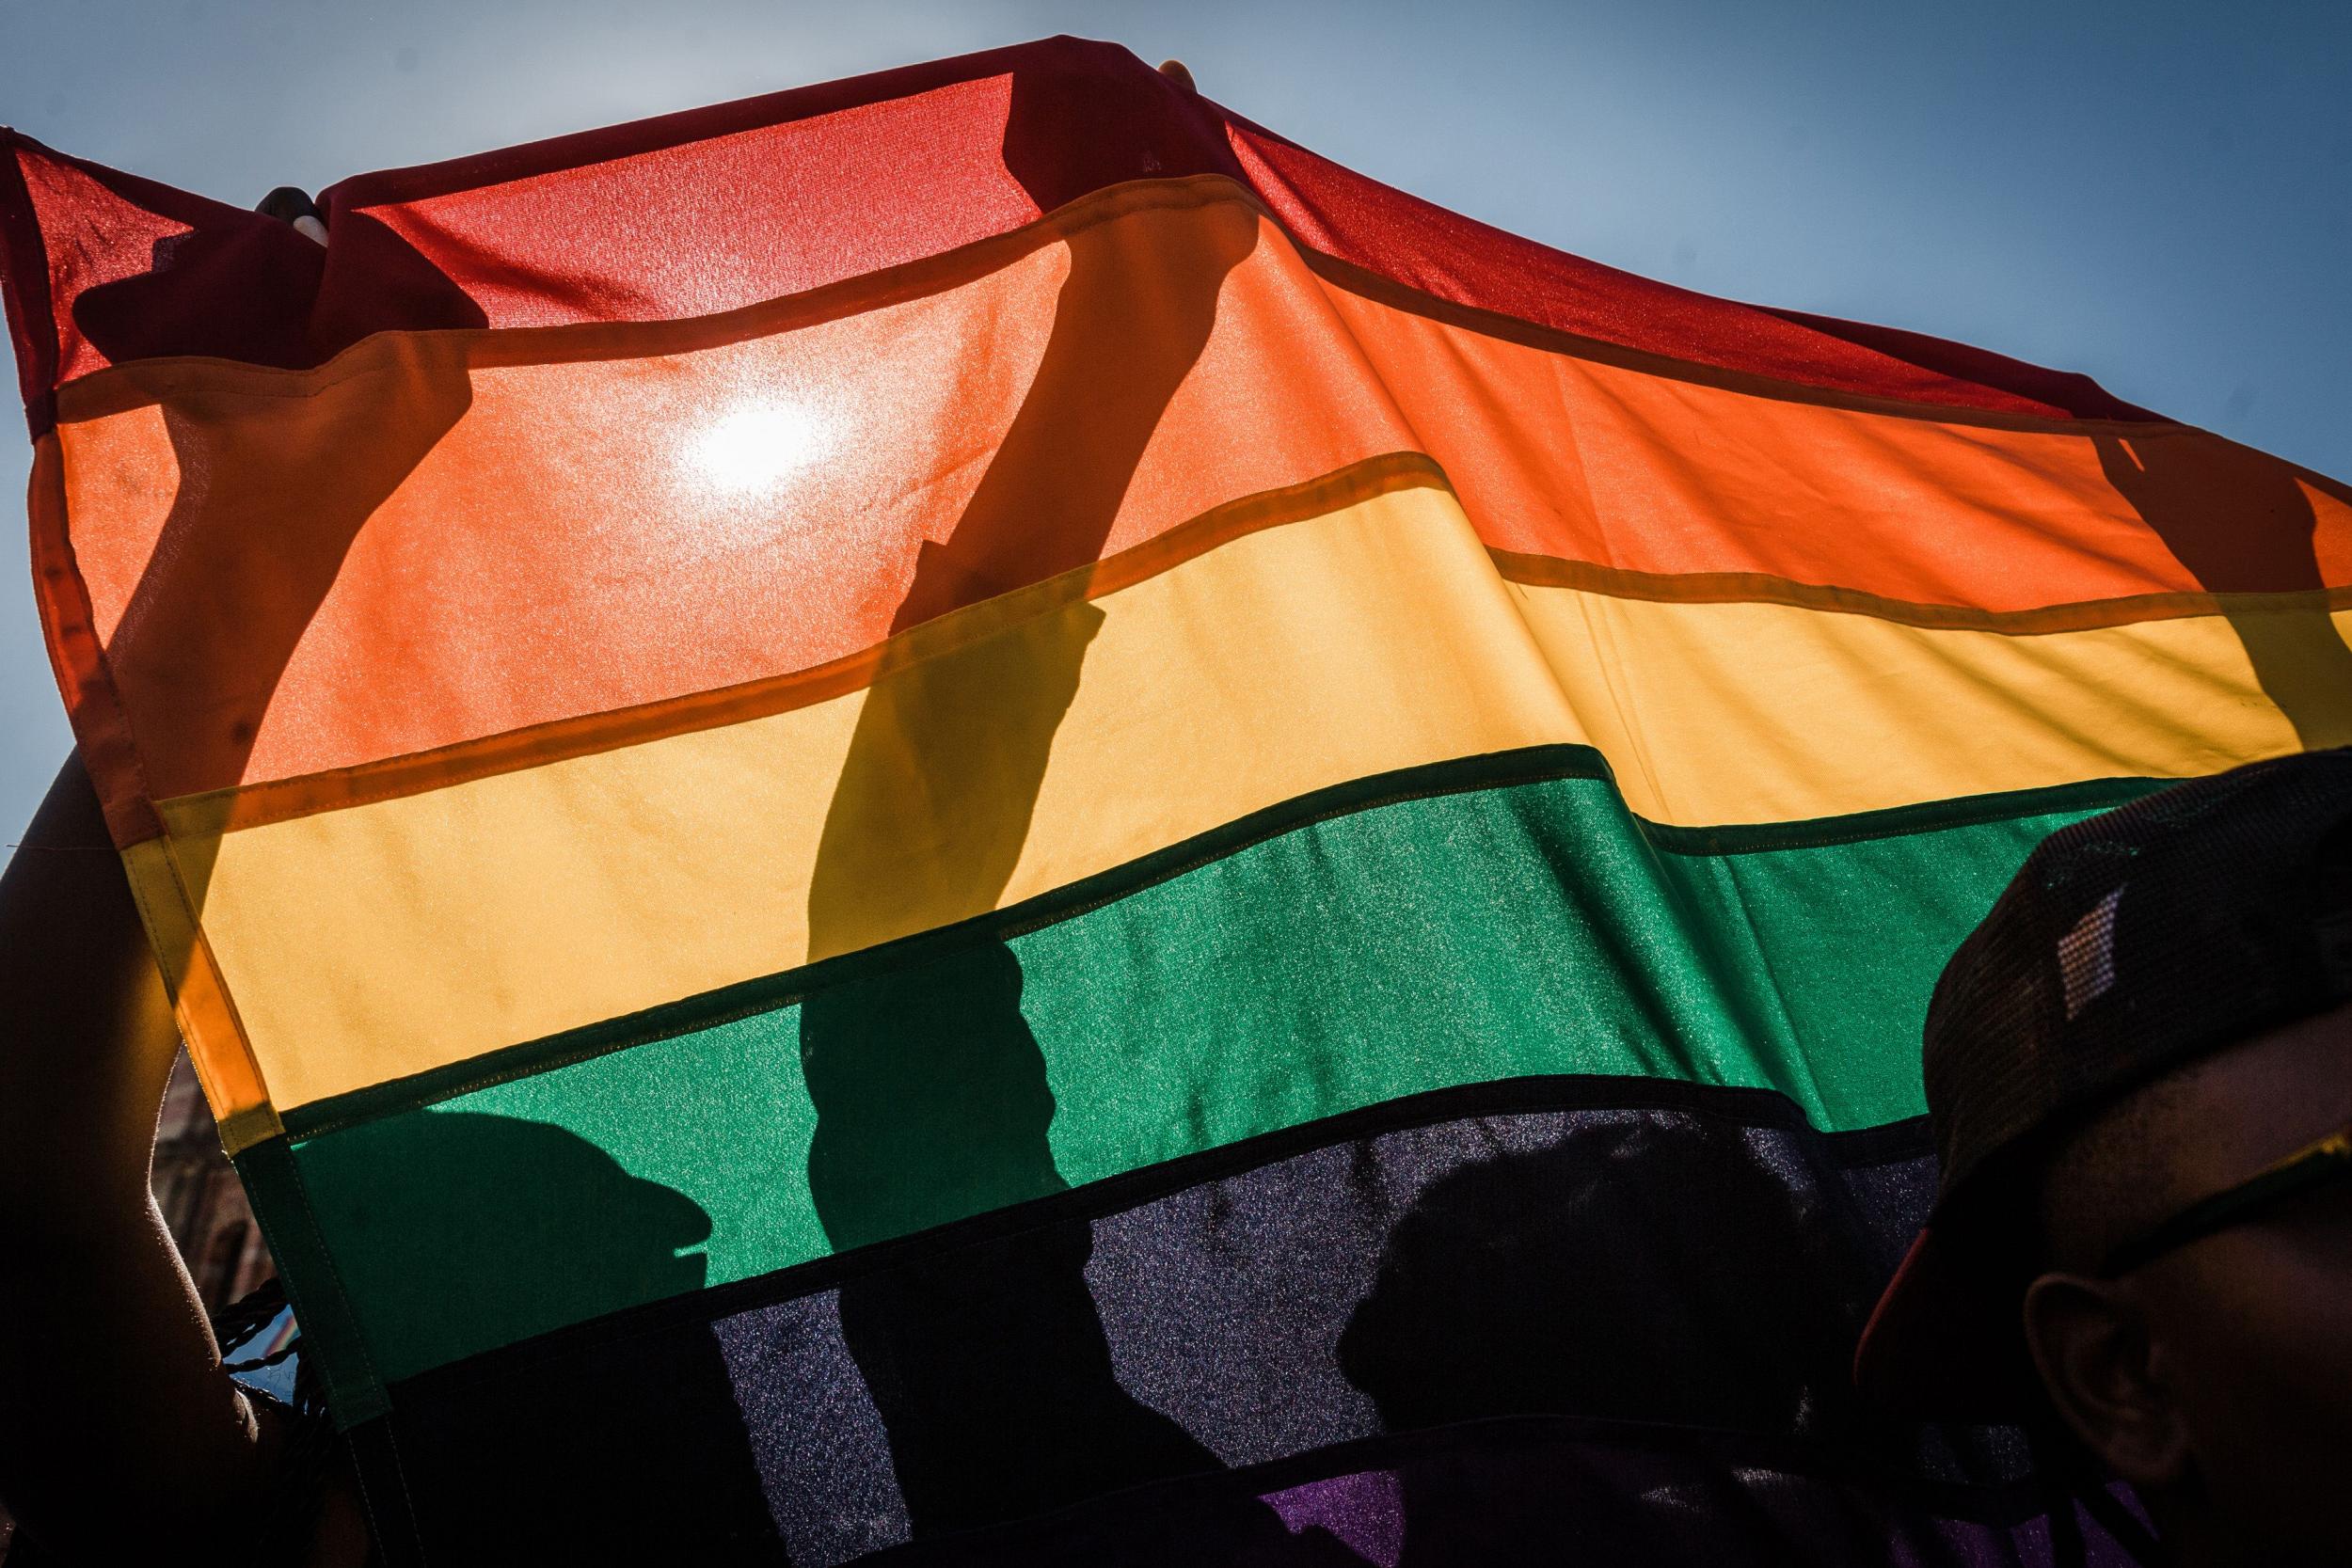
(934, 1106)
(2238, 520)
(269, 500)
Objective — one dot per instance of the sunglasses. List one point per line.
(2325, 1161)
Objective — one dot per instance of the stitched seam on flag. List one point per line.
(173, 980)
(358, 1403)
(367, 1494)
(1464, 775)
(22, 288)
(78, 660)
(273, 1175)
(243, 1122)
(400, 1474)
(189, 981)
(357, 1439)
(1533, 1094)
(1367, 283)
(580, 341)
(1887, 822)
(365, 1439)
(121, 388)
(1621, 582)
(279, 800)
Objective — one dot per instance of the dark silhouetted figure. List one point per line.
(931, 1097)
(628, 1451)
(2241, 524)
(1651, 1270)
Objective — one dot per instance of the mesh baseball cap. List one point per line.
(2128, 945)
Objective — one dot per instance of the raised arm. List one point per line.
(121, 1440)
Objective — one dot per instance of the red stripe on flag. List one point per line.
(727, 206)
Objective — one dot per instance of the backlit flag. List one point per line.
(974, 807)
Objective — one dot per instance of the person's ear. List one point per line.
(2093, 1345)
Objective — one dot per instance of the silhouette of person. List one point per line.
(632, 1451)
(1649, 1269)
(931, 1091)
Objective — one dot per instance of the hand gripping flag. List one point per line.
(974, 808)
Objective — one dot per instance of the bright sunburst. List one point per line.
(755, 445)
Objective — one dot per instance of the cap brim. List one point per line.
(1943, 1342)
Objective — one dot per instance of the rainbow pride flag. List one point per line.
(975, 812)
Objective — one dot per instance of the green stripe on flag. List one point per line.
(1402, 946)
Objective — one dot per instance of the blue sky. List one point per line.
(2158, 194)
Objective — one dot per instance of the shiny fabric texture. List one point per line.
(973, 816)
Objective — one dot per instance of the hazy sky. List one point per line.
(2157, 195)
